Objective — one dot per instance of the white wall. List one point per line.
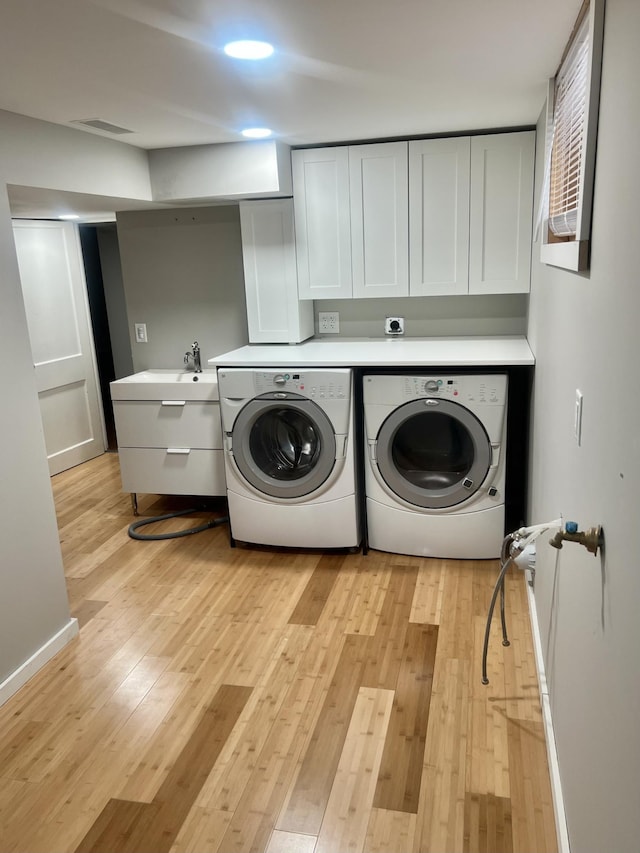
(40, 154)
(183, 277)
(583, 330)
(258, 169)
(33, 599)
(430, 316)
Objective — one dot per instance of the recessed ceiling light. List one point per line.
(256, 132)
(68, 216)
(248, 49)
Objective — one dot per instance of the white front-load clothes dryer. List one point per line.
(289, 456)
(435, 464)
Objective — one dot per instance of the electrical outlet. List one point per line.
(328, 322)
(394, 326)
(141, 333)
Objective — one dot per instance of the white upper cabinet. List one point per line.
(351, 214)
(501, 212)
(274, 313)
(322, 220)
(429, 217)
(379, 187)
(439, 216)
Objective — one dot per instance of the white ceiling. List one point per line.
(343, 70)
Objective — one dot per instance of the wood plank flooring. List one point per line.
(253, 699)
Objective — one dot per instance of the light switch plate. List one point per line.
(141, 333)
(577, 424)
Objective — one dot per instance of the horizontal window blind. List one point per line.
(569, 120)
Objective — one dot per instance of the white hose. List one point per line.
(512, 545)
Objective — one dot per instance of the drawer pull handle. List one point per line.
(185, 451)
(174, 402)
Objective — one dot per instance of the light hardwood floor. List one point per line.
(223, 699)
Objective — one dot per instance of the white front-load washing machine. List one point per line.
(435, 464)
(289, 456)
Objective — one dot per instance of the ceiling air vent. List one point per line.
(98, 124)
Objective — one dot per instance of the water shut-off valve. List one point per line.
(592, 538)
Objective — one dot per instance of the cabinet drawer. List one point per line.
(174, 423)
(158, 471)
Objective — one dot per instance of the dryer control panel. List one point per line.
(315, 384)
(486, 389)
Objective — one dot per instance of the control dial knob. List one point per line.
(431, 385)
(279, 379)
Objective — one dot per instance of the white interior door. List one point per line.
(55, 298)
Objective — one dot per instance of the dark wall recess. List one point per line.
(99, 324)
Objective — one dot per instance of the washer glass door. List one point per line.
(284, 445)
(433, 453)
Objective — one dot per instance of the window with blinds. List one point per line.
(571, 133)
(571, 90)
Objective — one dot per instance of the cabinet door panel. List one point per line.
(322, 222)
(274, 314)
(501, 212)
(439, 216)
(378, 176)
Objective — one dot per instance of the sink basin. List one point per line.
(166, 385)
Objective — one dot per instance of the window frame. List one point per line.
(574, 254)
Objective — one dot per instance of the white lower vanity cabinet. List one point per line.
(169, 446)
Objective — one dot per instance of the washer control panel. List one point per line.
(315, 385)
(460, 389)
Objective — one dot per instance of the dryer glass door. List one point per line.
(433, 453)
(284, 445)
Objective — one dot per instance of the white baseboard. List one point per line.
(37, 660)
(552, 755)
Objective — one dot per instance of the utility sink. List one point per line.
(167, 385)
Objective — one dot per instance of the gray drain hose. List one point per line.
(505, 561)
(215, 522)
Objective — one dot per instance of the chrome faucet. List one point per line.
(194, 356)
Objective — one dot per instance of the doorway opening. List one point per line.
(107, 308)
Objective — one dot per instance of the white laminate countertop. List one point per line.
(383, 352)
